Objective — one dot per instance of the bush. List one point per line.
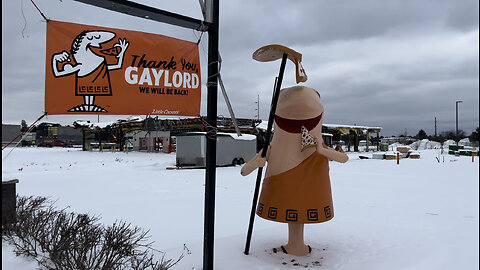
(60, 240)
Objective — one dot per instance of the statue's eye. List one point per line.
(97, 37)
(89, 38)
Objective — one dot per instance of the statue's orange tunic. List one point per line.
(299, 195)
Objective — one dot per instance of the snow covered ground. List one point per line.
(420, 214)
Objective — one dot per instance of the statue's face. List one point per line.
(299, 102)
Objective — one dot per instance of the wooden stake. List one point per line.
(398, 158)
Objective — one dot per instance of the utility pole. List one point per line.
(456, 119)
(258, 107)
(435, 127)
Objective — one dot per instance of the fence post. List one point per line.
(9, 201)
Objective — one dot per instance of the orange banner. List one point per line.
(100, 70)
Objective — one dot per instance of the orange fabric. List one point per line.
(300, 195)
(158, 75)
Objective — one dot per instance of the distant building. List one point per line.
(52, 131)
(155, 134)
(402, 140)
(9, 132)
(352, 135)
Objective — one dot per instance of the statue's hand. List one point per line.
(330, 153)
(256, 162)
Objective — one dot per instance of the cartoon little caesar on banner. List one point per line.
(100, 70)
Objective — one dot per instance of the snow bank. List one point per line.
(243, 137)
(464, 142)
(425, 144)
(420, 214)
(394, 146)
(449, 142)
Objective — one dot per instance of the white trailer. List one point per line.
(231, 149)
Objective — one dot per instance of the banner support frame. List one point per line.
(146, 12)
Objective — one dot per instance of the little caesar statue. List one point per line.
(296, 189)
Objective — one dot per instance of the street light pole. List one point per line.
(258, 107)
(456, 119)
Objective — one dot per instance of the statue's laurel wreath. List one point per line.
(77, 41)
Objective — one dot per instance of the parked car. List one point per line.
(61, 143)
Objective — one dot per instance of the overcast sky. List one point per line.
(396, 64)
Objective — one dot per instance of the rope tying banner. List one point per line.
(41, 13)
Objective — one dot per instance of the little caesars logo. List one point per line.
(164, 112)
(90, 67)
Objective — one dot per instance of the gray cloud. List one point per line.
(395, 64)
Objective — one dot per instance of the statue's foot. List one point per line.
(297, 251)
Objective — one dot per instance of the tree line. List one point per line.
(449, 135)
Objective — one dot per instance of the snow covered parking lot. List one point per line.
(420, 214)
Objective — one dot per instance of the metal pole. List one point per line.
(229, 106)
(276, 93)
(367, 142)
(258, 107)
(456, 120)
(147, 12)
(211, 155)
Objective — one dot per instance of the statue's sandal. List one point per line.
(285, 251)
